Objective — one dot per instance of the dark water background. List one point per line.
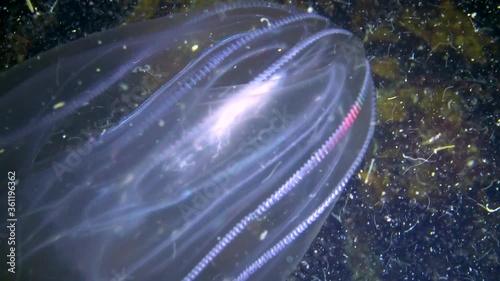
(428, 207)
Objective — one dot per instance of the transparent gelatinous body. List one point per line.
(206, 146)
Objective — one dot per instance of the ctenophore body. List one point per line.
(210, 145)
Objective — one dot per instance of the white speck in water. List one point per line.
(263, 235)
